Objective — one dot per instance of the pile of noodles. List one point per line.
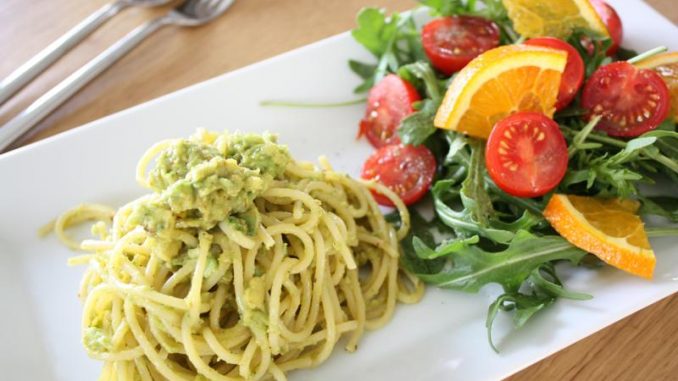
(243, 264)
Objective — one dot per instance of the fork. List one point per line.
(190, 13)
(41, 61)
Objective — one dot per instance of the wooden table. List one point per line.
(643, 346)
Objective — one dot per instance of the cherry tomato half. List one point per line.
(526, 154)
(406, 170)
(631, 101)
(388, 102)
(612, 22)
(451, 42)
(573, 76)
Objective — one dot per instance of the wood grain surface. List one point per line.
(643, 346)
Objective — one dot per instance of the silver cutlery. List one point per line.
(189, 13)
(41, 61)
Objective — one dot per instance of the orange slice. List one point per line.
(666, 65)
(555, 18)
(498, 82)
(607, 228)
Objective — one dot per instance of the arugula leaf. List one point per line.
(410, 34)
(462, 200)
(541, 289)
(420, 232)
(473, 194)
(393, 40)
(417, 127)
(525, 306)
(612, 167)
(364, 70)
(422, 71)
(472, 268)
(446, 248)
(527, 221)
(494, 10)
(665, 151)
(544, 278)
(375, 32)
(462, 221)
(449, 7)
(519, 205)
(663, 206)
(457, 153)
(611, 174)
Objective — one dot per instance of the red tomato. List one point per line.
(406, 170)
(388, 102)
(526, 154)
(574, 70)
(451, 42)
(631, 101)
(613, 23)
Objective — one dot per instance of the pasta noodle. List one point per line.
(234, 268)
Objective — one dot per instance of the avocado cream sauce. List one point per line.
(199, 185)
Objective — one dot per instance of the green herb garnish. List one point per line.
(480, 234)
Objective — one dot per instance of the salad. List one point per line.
(534, 134)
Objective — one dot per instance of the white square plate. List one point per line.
(443, 337)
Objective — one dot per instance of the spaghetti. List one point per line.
(243, 264)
